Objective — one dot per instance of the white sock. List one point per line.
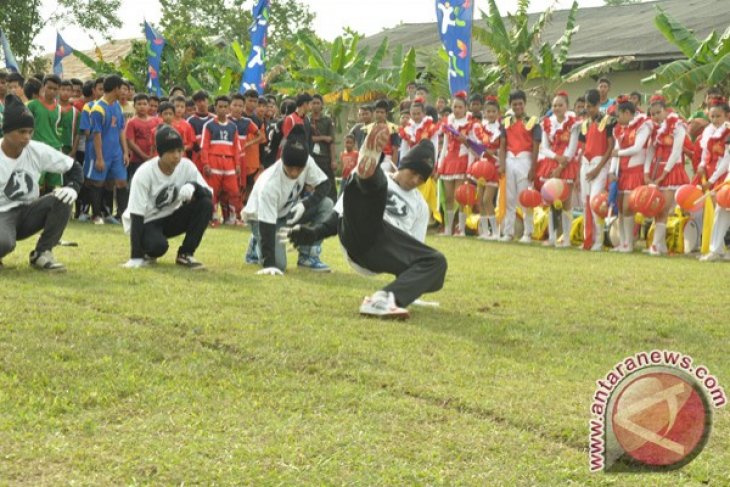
(660, 237)
(493, 225)
(462, 222)
(567, 224)
(551, 226)
(628, 231)
(483, 226)
(449, 224)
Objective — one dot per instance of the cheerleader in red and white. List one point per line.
(557, 159)
(713, 143)
(632, 133)
(419, 127)
(664, 165)
(491, 132)
(456, 157)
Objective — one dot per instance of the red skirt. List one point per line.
(630, 178)
(545, 168)
(676, 177)
(454, 164)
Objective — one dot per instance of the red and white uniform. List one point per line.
(220, 151)
(665, 153)
(632, 141)
(520, 135)
(713, 143)
(413, 133)
(558, 139)
(455, 157)
(197, 122)
(491, 133)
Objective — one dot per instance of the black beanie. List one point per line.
(296, 150)
(420, 159)
(17, 116)
(167, 139)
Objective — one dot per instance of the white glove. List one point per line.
(296, 214)
(135, 264)
(270, 271)
(66, 194)
(186, 192)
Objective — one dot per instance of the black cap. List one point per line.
(16, 115)
(167, 139)
(420, 159)
(296, 150)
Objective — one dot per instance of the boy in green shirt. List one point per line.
(69, 138)
(47, 115)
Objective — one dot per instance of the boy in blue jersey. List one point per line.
(108, 157)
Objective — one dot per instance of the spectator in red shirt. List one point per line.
(182, 126)
(139, 132)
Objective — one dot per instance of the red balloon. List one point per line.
(647, 200)
(530, 198)
(723, 197)
(483, 171)
(686, 196)
(466, 194)
(599, 204)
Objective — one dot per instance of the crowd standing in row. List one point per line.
(232, 141)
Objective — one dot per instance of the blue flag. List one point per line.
(253, 74)
(10, 61)
(62, 50)
(454, 19)
(155, 44)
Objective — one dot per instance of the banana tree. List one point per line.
(707, 62)
(547, 64)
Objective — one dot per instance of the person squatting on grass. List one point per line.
(280, 197)
(22, 212)
(169, 197)
(381, 221)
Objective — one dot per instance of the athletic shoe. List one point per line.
(84, 218)
(150, 260)
(565, 244)
(98, 220)
(505, 238)
(548, 243)
(314, 264)
(526, 239)
(111, 220)
(189, 261)
(382, 305)
(44, 261)
(711, 257)
(622, 249)
(653, 250)
(597, 247)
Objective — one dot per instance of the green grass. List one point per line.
(161, 376)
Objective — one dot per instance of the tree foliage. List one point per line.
(707, 62)
(22, 20)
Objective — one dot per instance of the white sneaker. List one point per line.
(382, 305)
(597, 247)
(548, 243)
(98, 221)
(525, 239)
(45, 261)
(653, 250)
(711, 257)
(622, 249)
(505, 238)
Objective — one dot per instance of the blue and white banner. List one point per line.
(454, 19)
(155, 44)
(10, 61)
(62, 50)
(253, 74)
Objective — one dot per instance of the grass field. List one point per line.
(164, 376)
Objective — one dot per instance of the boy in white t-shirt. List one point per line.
(169, 197)
(381, 221)
(23, 212)
(279, 198)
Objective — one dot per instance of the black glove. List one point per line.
(302, 235)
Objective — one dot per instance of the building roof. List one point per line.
(604, 32)
(112, 52)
